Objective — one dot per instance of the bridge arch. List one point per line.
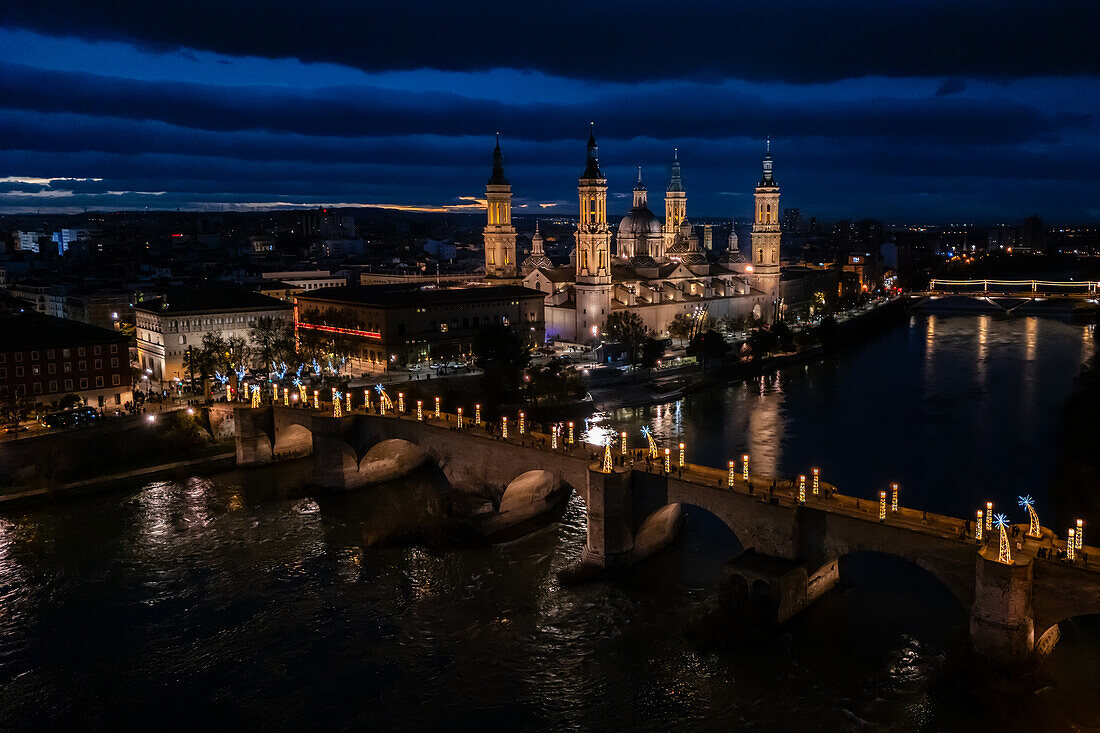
(961, 594)
(291, 441)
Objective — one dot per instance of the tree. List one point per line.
(502, 354)
(554, 383)
(215, 352)
(652, 350)
(239, 352)
(628, 329)
(274, 340)
(70, 401)
(681, 327)
(707, 345)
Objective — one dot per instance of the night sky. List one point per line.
(904, 111)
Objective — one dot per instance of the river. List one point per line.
(242, 602)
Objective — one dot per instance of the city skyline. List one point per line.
(911, 115)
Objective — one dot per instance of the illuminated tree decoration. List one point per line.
(460, 418)
(607, 466)
(653, 451)
(882, 506)
(301, 391)
(477, 414)
(894, 499)
(622, 437)
(504, 427)
(817, 480)
(437, 412)
(745, 467)
(668, 460)
(681, 455)
(384, 401)
(1028, 503)
(978, 527)
(802, 488)
(570, 432)
(989, 516)
(255, 395)
(1071, 545)
(1080, 534)
(733, 473)
(336, 397)
(401, 402)
(1005, 553)
(420, 410)
(316, 400)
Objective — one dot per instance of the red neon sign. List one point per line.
(345, 331)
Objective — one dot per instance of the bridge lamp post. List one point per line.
(316, 399)
(437, 413)
(286, 396)
(894, 499)
(1079, 535)
(477, 414)
(522, 423)
(275, 393)
(1071, 545)
(668, 460)
(366, 400)
(347, 404)
(420, 410)
(882, 506)
(570, 432)
(733, 473)
(989, 516)
(554, 438)
(622, 437)
(504, 427)
(460, 418)
(745, 467)
(817, 480)
(401, 402)
(802, 489)
(978, 527)
(681, 455)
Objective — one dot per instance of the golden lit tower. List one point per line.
(675, 204)
(593, 280)
(765, 237)
(500, 235)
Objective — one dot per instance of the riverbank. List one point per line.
(674, 384)
(206, 465)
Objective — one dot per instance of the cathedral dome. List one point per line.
(640, 222)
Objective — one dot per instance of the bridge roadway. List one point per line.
(1014, 608)
(1029, 289)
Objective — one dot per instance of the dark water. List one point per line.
(239, 603)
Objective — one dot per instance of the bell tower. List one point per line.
(765, 237)
(500, 235)
(675, 203)
(593, 274)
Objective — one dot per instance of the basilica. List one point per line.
(655, 269)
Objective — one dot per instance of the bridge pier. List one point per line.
(610, 522)
(255, 435)
(1002, 626)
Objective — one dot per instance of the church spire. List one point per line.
(767, 179)
(674, 181)
(498, 179)
(592, 168)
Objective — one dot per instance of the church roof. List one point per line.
(592, 170)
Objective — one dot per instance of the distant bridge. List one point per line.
(1014, 608)
(1008, 296)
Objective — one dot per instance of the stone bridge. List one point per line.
(1014, 608)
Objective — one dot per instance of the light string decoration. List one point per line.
(1028, 503)
(607, 464)
(1004, 553)
(654, 452)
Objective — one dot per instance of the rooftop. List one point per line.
(28, 329)
(396, 296)
(210, 300)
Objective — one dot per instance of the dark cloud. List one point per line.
(370, 111)
(627, 40)
(951, 86)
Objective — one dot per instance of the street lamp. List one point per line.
(817, 480)
(745, 467)
(802, 489)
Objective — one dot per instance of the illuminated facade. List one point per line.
(500, 235)
(657, 270)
